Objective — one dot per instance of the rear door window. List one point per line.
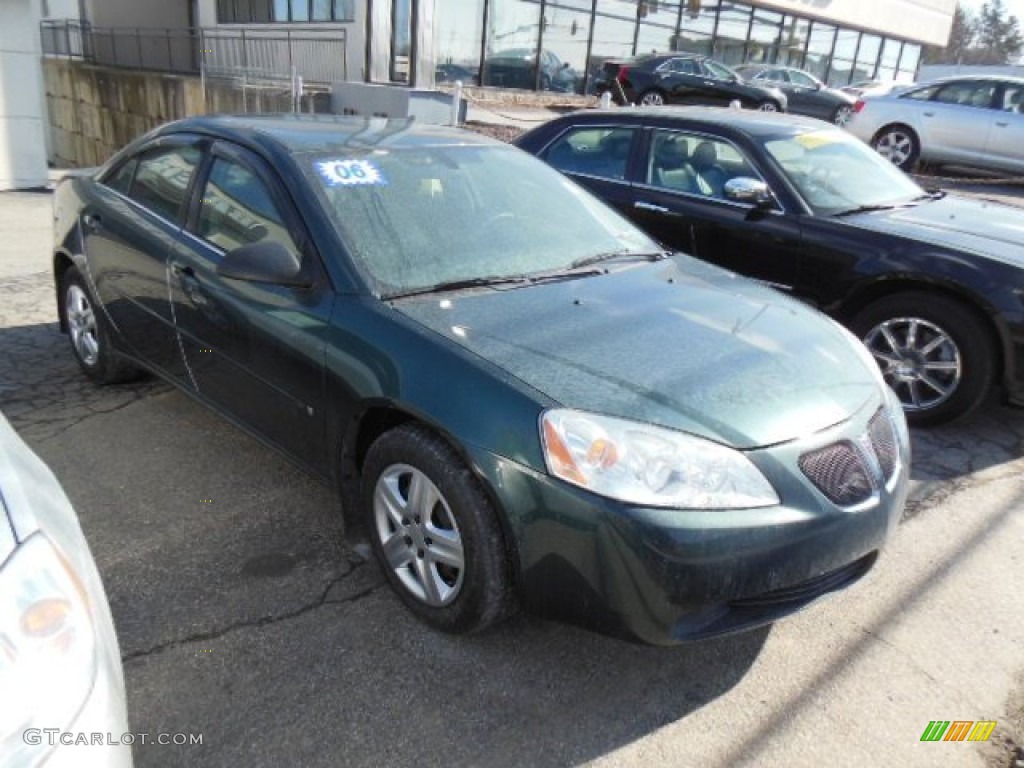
(602, 152)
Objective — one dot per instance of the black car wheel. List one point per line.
(934, 352)
(652, 98)
(89, 334)
(899, 145)
(435, 532)
(768, 106)
(842, 114)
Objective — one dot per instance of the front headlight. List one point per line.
(47, 647)
(648, 465)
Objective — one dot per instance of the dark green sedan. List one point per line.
(522, 400)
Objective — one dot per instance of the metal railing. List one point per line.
(318, 58)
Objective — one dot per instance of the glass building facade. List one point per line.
(561, 45)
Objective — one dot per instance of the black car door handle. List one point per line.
(650, 207)
(92, 220)
(182, 270)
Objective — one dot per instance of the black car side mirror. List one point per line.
(266, 261)
(744, 189)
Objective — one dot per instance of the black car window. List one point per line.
(967, 93)
(776, 75)
(162, 178)
(695, 164)
(599, 152)
(716, 70)
(120, 178)
(237, 208)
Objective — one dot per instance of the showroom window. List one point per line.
(732, 34)
(794, 40)
(765, 31)
(458, 39)
(890, 60)
(265, 11)
(819, 49)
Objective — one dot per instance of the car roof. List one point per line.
(310, 133)
(750, 121)
(966, 77)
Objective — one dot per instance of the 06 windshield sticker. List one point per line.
(815, 139)
(350, 173)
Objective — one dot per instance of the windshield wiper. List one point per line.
(587, 261)
(866, 209)
(931, 194)
(456, 285)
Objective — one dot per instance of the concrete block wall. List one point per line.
(94, 111)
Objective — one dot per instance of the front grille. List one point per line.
(883, 440)
(838, 471)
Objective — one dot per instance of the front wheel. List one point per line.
(933, 351)
(899, 145)
(89, 334)
(435, 532)
(768, 106)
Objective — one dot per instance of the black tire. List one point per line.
(769, 106)
(90, 335)
(899, 145)
(652, 97)
(483, 586)
(971, 347)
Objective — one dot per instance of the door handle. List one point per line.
(92, 221)
(650, 207)
(182, 270)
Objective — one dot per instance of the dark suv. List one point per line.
(684, 78)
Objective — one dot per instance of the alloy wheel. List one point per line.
(652, 99)
(896, 146)
(842, 116)
(768, 106)
(919, 360)
(418, 534)
(82, 325)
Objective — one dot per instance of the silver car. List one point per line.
(62, 698)
(972, 121)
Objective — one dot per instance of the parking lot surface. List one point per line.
(245, 618)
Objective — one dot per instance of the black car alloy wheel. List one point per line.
(89, 333)
(435, 532)
(934, 352)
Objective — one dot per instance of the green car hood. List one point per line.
(676, 343)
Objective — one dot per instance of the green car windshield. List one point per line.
(417, 217)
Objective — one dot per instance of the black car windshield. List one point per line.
(835, 172)
(422, 216)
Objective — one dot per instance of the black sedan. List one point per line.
(517, 409)
(806, 94)
(684, 78)
(933, 283)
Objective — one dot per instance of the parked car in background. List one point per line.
(975, 121)
(60, 667)
(684, 78)
(452, 73)
(517, 68)
(931, 282)
(874, 87)
(518, 407)
(805, 94)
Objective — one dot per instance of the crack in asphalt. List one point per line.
(264, 620)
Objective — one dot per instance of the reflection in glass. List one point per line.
(401, 34)
(300, 10)
(819, 49)
(794, 38)
(566, 28)
(695, 30)
(733, 28)
(657, 32)
(908, 62)
(512, 36)
(458, 28)
(890, 60)
(867, 57)
(765, 32)
(613, 34)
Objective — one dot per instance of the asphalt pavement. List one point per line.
(244, 617)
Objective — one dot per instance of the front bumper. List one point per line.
(663, 576)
